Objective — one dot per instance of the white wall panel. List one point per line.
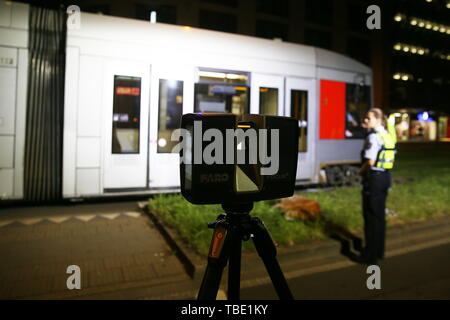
(6, 151)
(88, 181)
(8, 57)
(21, 116)
(19, 15)
(6, 183)
(7, 99)
(88, 152)
(5, 14)
(13, 37)
(90, 98)
(70, 121)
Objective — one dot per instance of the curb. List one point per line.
(193, 263)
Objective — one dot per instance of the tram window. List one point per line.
(299, 111)
(268, 101)
(223, 77)
(126, 114)
(170, 112)
(357, 104)
(221, 98)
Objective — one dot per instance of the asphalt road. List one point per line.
(423, 274)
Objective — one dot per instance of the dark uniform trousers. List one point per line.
(375, 189)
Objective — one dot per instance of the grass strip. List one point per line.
(420, 191)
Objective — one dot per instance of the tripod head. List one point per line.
(237, 208)
(236, 216)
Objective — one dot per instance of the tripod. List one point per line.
(226, 244)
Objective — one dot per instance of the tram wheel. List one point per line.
(351, 175)
(335, 175)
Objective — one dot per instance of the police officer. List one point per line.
(378, 158)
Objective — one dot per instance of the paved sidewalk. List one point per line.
(311, 259)
(114, 244)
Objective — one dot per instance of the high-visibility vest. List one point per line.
(386, 156)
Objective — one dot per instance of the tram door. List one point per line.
(300, 101)
(125, 110)
(172, 94)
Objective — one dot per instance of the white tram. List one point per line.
(128, 82)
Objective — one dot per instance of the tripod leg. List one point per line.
(267, 251)
(217, 260)
(234, 265)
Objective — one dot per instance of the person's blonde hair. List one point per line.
(378, 114)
